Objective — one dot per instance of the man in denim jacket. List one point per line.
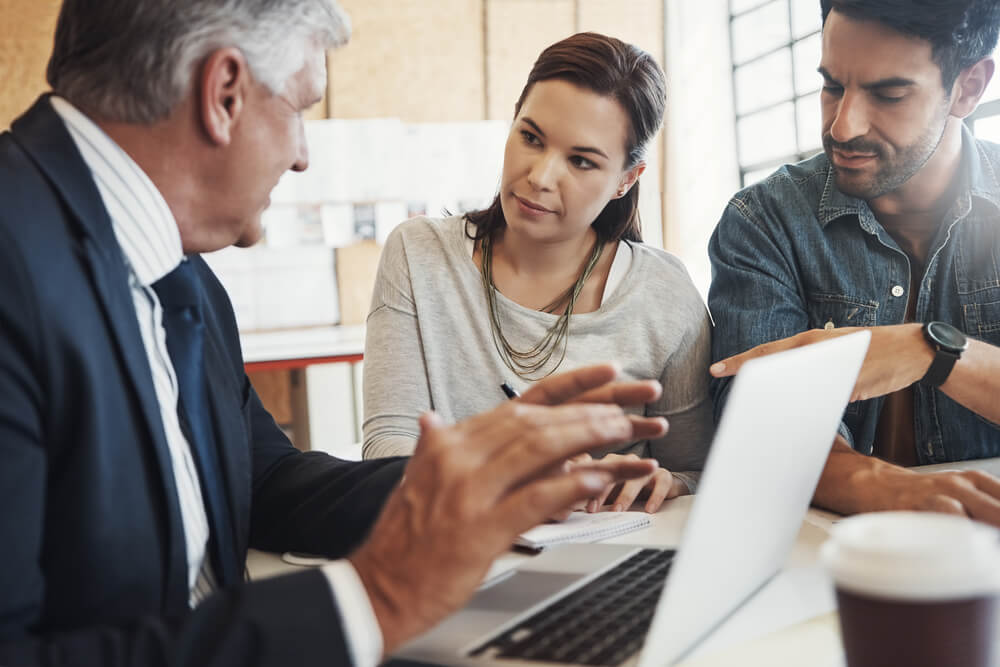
(895, 225)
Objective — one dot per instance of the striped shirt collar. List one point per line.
(143, 224)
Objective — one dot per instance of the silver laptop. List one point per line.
(610, 604)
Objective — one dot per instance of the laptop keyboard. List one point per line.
(601, 623)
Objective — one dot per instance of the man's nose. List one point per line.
(851, 120)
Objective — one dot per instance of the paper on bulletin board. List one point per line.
(279, 288)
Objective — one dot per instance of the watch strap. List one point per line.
(940, 368)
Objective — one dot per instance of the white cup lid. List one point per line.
(914, 555)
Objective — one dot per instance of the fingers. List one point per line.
(577, 460)
(732, 365)
(638, 392)
(663, 486)
(568, 386)
(616, 490)
(564, 432)
(645, 428)
(981, 499)
(623, 469)
(629, 492)
(597, 503)
(533, 503)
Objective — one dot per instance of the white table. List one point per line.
(297, 348)
(800, 592)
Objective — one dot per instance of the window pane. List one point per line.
(806, 17)
(767, 135)
(760, 31)
(737, 6)
(988, 128)
(810, 123)
(992, 90)
(807, 55)
(752, 177)
(764, 82)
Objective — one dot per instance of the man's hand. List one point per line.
(852, 482)
(898, 355)
(472, 487)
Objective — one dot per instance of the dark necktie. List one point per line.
(180, 296)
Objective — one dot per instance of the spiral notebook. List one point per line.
(582, 527)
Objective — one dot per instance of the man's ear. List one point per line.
(970, 86)
(224, 86)
(629, 179)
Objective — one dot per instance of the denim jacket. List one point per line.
(793, 253)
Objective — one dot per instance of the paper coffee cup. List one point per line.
(916, 589)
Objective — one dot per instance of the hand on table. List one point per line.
(472, 487)
(656, 487)
(897, 356)
(852, 482)
(970, 493)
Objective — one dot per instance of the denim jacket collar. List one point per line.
(980, 176)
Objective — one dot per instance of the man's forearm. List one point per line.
(852, 482)
(974, 382)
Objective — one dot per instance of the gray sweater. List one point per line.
(429, 346)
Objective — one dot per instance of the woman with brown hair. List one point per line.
(553, 274)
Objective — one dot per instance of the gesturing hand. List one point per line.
(472, 487)
(897, 357)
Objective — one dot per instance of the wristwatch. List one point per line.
(948, 343)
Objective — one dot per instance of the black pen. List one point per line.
(509, 391)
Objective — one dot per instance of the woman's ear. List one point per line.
(628, 179)
(224, 85)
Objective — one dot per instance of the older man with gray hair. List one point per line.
(137, 464)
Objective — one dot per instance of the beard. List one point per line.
(893, 167)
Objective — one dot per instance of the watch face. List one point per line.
(947, 336)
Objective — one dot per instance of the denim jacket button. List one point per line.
(898, 290)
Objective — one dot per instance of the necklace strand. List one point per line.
(526, 364)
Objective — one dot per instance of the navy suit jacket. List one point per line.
(93, 567)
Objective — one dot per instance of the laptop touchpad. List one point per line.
(521, 591)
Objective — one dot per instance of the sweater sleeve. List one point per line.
(685, 402)
(396, 390)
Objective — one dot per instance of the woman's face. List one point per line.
(564, 160)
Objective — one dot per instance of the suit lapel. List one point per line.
(44, 137)
(231, 436)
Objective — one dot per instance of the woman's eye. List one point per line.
(530, 138)
(582, 162)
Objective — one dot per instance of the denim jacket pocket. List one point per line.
(837, 310)
(981, 315)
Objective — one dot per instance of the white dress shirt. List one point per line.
(151, 246)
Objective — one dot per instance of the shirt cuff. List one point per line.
(846, 433)
(361, 630)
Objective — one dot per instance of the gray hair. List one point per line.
(133, 61)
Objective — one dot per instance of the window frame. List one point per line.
(801, 151)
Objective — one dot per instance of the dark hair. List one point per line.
(961, 32)
(612, 68)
